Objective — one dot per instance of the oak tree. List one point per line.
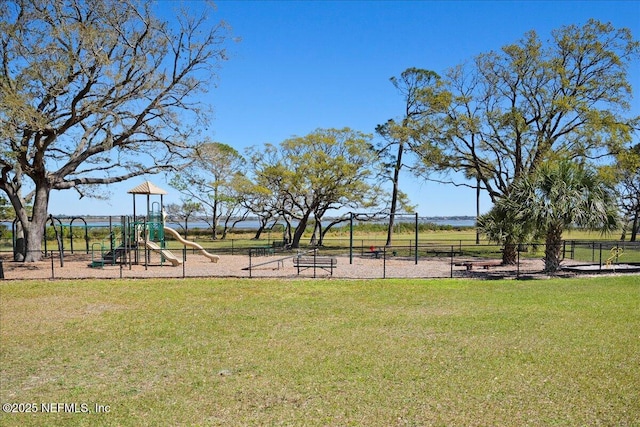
(509, 111)
(325, 171)
(93, 93)
(212, 180)
(627, 173)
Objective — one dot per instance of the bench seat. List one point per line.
(323, 262)
(484, 264)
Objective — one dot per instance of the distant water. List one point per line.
(466, 222)
(458, 221)
(253, 224)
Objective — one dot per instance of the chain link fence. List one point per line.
(367, 259)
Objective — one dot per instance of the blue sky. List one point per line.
(303, 65)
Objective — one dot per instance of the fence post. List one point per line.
(384, 262)
(53, 275)
(350, 238)
(314, 263)
(451, 266)
(600, 257)
(573, 249)
(417, 237)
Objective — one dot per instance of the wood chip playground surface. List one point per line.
(280, 265)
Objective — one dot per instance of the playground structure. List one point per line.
(611, 264)
(138, 240)
(615, 255)
(178, 237)
(144, 233)
(58, 227)
(437, 258)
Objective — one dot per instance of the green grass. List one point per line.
(559, 352)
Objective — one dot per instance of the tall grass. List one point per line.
(323, 352)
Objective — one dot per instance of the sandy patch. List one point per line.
(280, 265)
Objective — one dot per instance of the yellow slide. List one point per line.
(169, 256)
(178, 237)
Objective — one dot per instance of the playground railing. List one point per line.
(367, 259)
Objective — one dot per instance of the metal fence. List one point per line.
(368, 259)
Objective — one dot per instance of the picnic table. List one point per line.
(262, 250)
(375, 252)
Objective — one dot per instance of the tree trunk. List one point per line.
(287, 232)
(634, 227)
(510, 253)
(318, 234)
(215, 216)
(34, 228)
(258, 233)
(226, 228)
(214, 229)
(20, 248)
(262, 225)
(34, 235)
(477, 209)
(394, 194)
(553, 249)
(297, 235)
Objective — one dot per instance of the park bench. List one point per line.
(469, 265)
(262, 251)
(279, 245)
(323, 262)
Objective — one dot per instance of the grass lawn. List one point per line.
(562, 352)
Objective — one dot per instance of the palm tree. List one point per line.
(560, 195)
(501, 224)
